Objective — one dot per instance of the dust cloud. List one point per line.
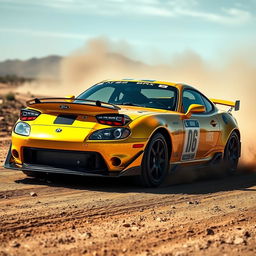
(231, 76)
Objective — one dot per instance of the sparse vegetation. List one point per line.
(14, 79)
(9, 112)
(10, 96)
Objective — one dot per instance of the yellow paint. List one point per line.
(223, 102)
(145, 121)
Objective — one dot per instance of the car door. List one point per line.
(201, 131)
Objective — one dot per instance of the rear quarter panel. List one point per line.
(228, 124)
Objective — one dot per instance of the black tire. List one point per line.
(155, 162)
(232, 153)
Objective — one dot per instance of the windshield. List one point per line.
(142, 94)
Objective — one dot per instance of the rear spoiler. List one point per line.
(96, 103)
(72, 106)
(232, 104)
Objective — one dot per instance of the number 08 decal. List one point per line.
(191, 140)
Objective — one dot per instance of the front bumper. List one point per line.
(74, 141)
(65, 162)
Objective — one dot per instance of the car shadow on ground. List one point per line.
(182, 181)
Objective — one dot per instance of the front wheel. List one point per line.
(232, 152)
(155, 162)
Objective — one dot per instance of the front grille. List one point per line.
(74, 160)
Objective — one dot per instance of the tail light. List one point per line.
(28, 115)
(113, 119)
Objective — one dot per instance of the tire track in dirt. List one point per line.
(106, 217)
(96, 213)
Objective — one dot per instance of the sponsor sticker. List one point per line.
(191, 140)
(162, 86)
(145, 83)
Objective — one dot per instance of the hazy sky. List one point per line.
(42, 27)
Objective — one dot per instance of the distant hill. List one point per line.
(45, 68)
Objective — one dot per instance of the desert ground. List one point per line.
(197, 212)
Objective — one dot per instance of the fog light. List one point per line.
(115, 161)
(15, 153)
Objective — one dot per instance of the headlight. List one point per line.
(22, 128)
(110, 134)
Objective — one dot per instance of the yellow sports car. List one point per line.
(124, 127)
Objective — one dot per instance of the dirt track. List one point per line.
(81, 216)
(74, 216)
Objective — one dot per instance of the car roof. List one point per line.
(177, 85)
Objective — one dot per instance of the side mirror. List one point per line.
(70, 98)
(193, 109)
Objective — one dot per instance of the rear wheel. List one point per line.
(155, 163)
(232, 152)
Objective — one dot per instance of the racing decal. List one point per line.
(191, 140)
(113, 82)
(145, 83)
(162, 86)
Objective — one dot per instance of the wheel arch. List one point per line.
(237, 132)
(167, 137)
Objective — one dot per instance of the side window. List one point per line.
(207, 104)
(191, 97)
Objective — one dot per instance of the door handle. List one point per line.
(213, 123)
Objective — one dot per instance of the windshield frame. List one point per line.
(123, 83)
